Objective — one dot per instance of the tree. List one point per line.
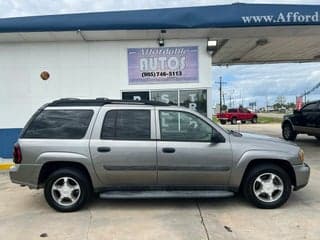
(291, 105)
(280, 101)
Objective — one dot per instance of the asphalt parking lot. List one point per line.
(24, 214)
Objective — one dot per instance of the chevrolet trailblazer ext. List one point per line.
(75, 147)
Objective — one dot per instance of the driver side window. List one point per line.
(183, 126)
(310, 107)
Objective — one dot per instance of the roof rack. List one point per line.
(68, 102)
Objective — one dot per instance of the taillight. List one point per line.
(17, 156)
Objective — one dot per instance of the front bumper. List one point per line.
(25, 174)
(302, 173)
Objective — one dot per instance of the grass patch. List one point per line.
(269, 120)
(262, 120)
(215, 120)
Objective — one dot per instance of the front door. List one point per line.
(317, 112)
(307, 119)
(123, 149)
(186, 155)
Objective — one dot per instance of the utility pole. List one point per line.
(241, 97)
(223, 99)
(220, 90)
(267, 103)
(305, 97)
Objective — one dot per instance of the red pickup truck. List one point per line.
(234, 114)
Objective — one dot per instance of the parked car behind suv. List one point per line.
(74, 147)
(306, 121)
(235, 114)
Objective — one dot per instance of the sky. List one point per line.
(245, 83)
(265, 82)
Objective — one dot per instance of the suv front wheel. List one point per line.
(254, 120)
(267, 186)
(67, 190)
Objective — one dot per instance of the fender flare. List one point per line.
(241, 166)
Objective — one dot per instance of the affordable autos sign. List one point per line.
(282, 17)
(163, 65)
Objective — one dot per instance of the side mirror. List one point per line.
(217, 138)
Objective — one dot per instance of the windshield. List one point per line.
(235, 133)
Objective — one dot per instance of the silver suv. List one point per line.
(76, 147)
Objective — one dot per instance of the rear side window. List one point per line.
(59, 124)
(126, 125)
(232, 110)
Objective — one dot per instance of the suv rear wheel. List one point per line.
(67, 190)
(267, 186)
(288, 133)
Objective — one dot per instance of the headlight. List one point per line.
(301, 155)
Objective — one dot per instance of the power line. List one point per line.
(310, 91)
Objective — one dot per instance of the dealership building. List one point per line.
(160, 54)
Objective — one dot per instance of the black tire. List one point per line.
(84, 193)
(254, 120)
(250, 183)
(317, 137)
(234, 121)
(223, 122)
(288, 133)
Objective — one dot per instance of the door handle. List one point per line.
(104, 149)
(168, 150)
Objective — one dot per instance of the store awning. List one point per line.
(246, 33)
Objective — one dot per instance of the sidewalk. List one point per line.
(5, 164)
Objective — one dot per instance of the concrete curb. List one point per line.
(5, 166)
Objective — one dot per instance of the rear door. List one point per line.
(123, 146)
(241, 114)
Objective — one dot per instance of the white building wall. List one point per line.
(77, 69)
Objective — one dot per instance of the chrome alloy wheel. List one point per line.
(268, 187)
(65, 191)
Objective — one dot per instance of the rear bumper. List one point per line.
(302, 173)
(25, 174)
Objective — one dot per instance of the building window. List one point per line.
(195, 100)
(137, 96)
(169, 97)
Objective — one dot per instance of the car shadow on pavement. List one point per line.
(309, 141)
(170, 203)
